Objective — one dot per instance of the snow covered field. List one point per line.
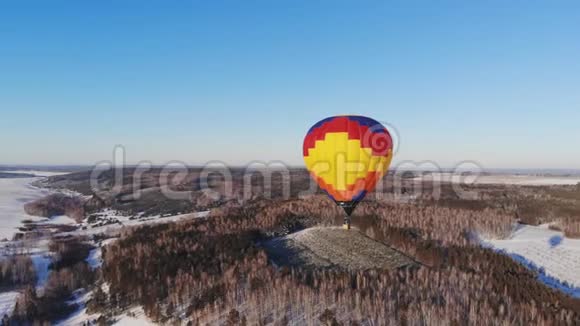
(14, 193)
(506, 179)
(7, 302)
(37, 172)
(125, 221)
(555, 257)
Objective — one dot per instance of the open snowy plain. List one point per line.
(554, 257)
(503, 179)
(14, 193)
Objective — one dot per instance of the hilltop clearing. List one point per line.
(334, 247)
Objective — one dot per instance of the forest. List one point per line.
(214, 271)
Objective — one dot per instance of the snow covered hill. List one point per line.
(555, 257)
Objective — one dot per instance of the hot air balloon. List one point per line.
(347, 155)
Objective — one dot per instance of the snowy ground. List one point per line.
(124, 221)
(30, 247)
(507, 179)
(79, 317)
(7, 302)
(41, 263)
(37, 172)
(555, 257)
(14, 193)
(135, 316)
(61, 219)
(94, 259)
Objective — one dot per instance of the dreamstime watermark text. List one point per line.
(175, 180)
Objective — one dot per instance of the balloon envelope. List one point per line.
(347, 155)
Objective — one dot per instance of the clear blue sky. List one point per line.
(497, 82)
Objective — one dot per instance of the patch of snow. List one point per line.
(115, 228)
(41, 263)
(555, 257)
(38, 173)
(135, 316)
(94, 258)
(23, 247)
(80, 316)
(61, 219)
(505, 179)
(202, 214)
(105, 287)
(8, 302)
(108, 241)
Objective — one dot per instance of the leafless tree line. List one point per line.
(213, 271)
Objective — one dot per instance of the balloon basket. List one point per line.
(346, 224)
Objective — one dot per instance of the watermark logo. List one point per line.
(406, 181)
